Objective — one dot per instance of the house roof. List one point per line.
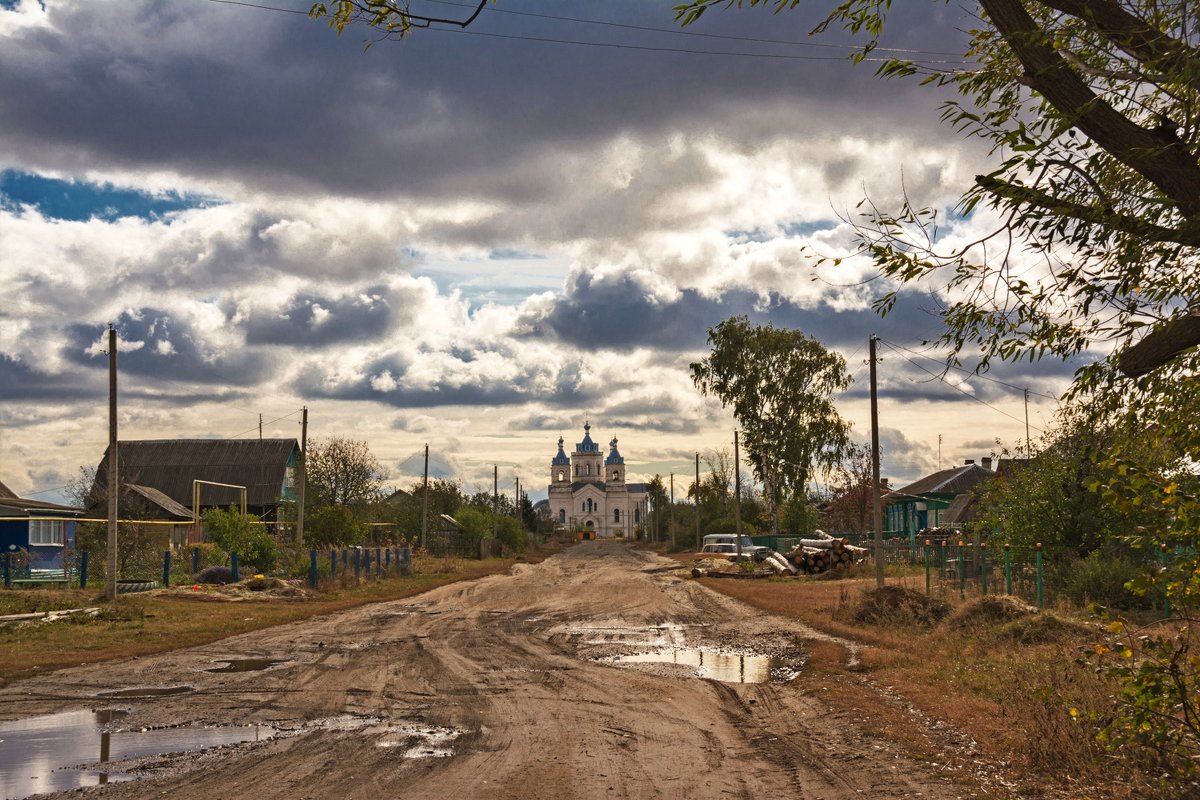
(170, 466)
(955, 480)
(161, 500)
(961, 511)
(5, 491)
(13, 506)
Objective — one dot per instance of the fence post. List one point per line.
(332, 564)
(345, 560)
(166, 568)
(83, 567)
(387, 560)
(926, 549)
(1038, 561)
(983, 568)
(1008, 569)
(962, 570)
(357, 562)
(378, 562)
(406, 560)
(195, 560)
(233, 568)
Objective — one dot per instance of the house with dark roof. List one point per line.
(164, 477)
(944, 499)
(42, 533)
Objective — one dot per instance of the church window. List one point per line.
(616, 475)
(616, 515)
(560, 474)
(637, 515)
(589, 469)
(562, 515)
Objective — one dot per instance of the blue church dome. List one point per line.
(614, 457)
(587, 445)
(561, 457)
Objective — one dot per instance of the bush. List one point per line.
(332, 526)
(235, 532)
(1101, 579)
(217, 574)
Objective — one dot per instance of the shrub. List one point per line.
(235, 532)
(1101, 579)
(896, 605)
(217, 573)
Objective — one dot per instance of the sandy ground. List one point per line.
(504, 687)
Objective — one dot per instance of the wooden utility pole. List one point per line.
(260, 427)
(517, 501)
(301, 478)
(737, 495)
(697, 490)
(113, 493)
(671, 517)
(495, 499)
(425, 498)
(878, 499)
(1028, 444)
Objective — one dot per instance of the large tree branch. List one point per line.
(1143, 41)
(1162, 345)
(1187, 234)
(1156, 155)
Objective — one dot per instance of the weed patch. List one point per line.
(896, 605)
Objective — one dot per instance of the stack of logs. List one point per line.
(823, 553)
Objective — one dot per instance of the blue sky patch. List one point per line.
(80, 201)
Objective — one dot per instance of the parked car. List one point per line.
(727, 544)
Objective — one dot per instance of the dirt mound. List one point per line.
(988, 612)
(896, 605)
(1044, 628)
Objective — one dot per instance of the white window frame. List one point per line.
(47, 532)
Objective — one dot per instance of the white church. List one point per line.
(588, 492)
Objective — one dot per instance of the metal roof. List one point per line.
(955, 480)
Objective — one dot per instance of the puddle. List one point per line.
(45, 754)
(647, 636)
(145, 691)
(421, 741)
(246, 664)
(718, 666)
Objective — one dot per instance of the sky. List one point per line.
(473, 239)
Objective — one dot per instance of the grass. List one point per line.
(1004, 673)
(154, 622)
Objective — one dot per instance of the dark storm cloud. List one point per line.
(316, 321)
(278, 100)
(170, 349)
(620, 314)
(477, 391)
(21, 382)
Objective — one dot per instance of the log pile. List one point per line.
(824, 553)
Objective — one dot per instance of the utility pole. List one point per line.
(517, 501)
(671, 518)
(1028, 445)
(113, 493)
(495, 499)
(425, 498)
(697, 502)
(260, 427)
(878, 500)
(301, 478)
(737, 495)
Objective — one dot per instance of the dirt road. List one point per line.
(505, 687)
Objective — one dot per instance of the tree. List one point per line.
(780, 384)
(332, 526)
(850, 495)
(1090, 106)
(656, 489)
(341, 471)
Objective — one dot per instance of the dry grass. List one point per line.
(1000, 671)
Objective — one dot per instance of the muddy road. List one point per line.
(513, 686)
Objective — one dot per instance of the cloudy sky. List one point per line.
(473, 239)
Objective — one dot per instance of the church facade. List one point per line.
(588, 492)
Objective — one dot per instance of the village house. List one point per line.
(42, 534)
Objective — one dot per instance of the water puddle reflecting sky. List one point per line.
(719, 666)
(45, 754)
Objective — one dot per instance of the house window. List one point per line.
(616, 515)
(45, 531)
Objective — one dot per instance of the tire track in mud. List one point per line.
(504, 670)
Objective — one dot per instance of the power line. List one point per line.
(970, 372)
(643, 48)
